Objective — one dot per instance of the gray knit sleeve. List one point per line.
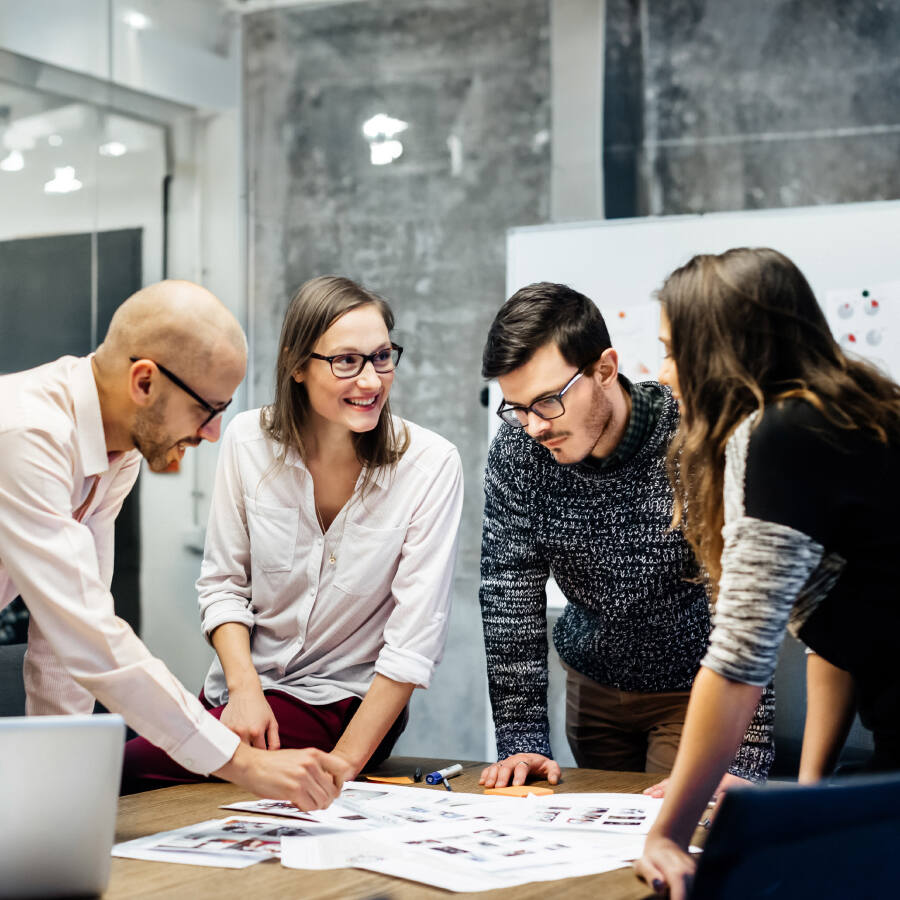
(764, 568)
(513, 604)
(771, 574)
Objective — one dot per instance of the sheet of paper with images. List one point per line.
(464, 856)
(590, 813)
(365, 806)
(233, 843)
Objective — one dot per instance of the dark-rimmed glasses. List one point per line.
(212, 410)
(544, 408)
(349, 365)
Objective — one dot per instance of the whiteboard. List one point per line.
(843, 250)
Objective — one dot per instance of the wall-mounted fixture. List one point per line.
(381, 131)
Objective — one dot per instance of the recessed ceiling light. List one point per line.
(136, 20)
(63, 181)
(54, 140)
(15, 162)
(113, 148)
(381, 153)
(382, 125)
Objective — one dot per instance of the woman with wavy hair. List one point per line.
(325, 584)
(786, 470)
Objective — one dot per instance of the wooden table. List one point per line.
(148, 813)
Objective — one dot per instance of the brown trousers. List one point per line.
(624, 731)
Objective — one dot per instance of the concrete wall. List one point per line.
(714, 105)
(427, 231)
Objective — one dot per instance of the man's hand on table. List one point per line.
(516, 769)
(309, 778)
(728, 781)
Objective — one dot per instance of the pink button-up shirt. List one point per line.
(59, 497)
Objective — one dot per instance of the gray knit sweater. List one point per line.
(636, 618)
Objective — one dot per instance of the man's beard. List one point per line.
(600, 418)
(149, 436)
(595, 426)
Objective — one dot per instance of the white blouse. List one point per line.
(321, 630)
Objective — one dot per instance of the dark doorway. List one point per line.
(46, 289)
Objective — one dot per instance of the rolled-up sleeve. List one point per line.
(53, 561)
(416, 630)
(224, 585)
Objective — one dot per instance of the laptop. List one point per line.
(59, 788)
(780, 841)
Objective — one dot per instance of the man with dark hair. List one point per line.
(576, 485)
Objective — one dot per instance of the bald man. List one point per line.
(72, 434)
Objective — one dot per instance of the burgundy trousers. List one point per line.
(300, 725)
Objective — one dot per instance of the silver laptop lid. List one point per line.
(59, 779)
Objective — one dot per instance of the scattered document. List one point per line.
(592, 813)
(452, 840)
(454, 857)
(232, 843)
(365, 806)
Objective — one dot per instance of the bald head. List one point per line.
(176, 323)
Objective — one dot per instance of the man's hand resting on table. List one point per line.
(516, 769)
(250, 717)
(309, 778)
(728, 781)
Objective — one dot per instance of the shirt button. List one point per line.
(188, 763)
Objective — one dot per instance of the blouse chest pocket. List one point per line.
(367, 560)
(273, 535)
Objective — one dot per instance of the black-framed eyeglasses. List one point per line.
(545, 407)
(349, 365)
(212, 410)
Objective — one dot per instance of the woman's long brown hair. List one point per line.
(313, 309)
(746, 330)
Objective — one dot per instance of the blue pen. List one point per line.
(443, 775)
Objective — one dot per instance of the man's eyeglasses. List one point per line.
(212, 410)
(349, 365)
(545, 408)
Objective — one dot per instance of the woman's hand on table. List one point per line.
(516, 769)
(250, 717)
(665, 865)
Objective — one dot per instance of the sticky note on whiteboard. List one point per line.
(865, 321)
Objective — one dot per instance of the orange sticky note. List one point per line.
(390, 779)
(519, 790)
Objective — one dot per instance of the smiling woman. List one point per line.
(325, 585)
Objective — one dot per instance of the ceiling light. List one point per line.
(54, 140)
(382, 125)
(63, 181)
(15, 162)
(384, 152)
(136, 20)
(113, 148)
